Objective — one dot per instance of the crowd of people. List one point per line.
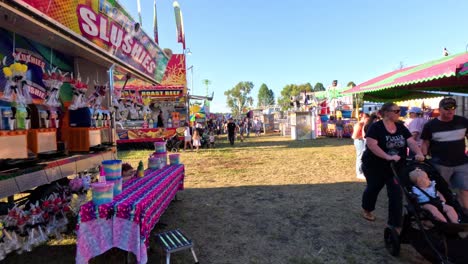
(382, 139)
(204, 135)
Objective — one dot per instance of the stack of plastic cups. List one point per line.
(160, 147)
(174, 159)
(103, 192)
(154, 163)
(160, 153)
(113, 171)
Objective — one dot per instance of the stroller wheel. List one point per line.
(392, 241)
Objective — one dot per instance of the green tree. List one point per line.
(292, 90)
(238, 98)
(265, 96)
(319, 87)
(308, 87)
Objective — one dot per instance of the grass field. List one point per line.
(265, 200)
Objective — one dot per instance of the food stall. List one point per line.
(158, 110)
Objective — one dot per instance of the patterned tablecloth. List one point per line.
(127, 221)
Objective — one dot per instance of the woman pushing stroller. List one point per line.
(386, 142)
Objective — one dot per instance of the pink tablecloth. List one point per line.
(127, 221)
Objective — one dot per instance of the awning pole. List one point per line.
(110, 98)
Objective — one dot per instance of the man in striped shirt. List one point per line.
(444, 140)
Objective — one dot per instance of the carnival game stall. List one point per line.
(56, 106)
(329, 106)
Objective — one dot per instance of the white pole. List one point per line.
(139, 13)
(314, 125)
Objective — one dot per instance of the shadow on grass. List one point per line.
(263, 224)
(282, 224)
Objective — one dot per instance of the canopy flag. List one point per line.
(179, 24)
(155, 24)
(448, 74)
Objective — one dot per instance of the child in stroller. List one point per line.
(429, 198)
(173, 143)
(436, 240)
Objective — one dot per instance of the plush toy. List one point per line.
(16, 83)
(114, 109)
(95, 99)
(79, 91)
(53, 82)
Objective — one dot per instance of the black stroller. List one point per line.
(439, 243)
(173, 143)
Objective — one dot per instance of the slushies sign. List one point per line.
(93, 25)
(107, 25)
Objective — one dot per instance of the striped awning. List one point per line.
(448, 74)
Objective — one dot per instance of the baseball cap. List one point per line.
(415, 109)
(448, 102)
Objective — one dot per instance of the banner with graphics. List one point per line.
(173, 83)
(39, 59)
(107, 25)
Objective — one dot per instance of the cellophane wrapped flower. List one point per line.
(7, 91)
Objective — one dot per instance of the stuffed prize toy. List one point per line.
(53, 82)
(79, 91)
(8, 91)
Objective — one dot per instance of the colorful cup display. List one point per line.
(162, 164)
(117, 186)
(154, 163)
(112, 169)
(174, 159)
(160, 147)
(162, 157)
(103, 192)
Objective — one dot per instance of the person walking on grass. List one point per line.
(257, 127)
(444, 140)
(196, 139)
(339, 128)
(359, 143)
(415, 124)
(248, 126)
(241, 128)
(187, 137)
(386, 143)
(231, 130)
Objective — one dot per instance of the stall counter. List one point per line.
(13, 182)
(144, 135)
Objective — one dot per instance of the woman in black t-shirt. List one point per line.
(386, 141)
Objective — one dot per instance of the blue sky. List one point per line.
(298, 41)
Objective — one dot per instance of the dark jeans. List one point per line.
(376, 178)
(231, 138)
